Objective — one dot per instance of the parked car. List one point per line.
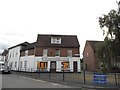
(4, 68)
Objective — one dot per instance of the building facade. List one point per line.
(90, 58)
(52, 53)
(14, 55)
(1, 57)
(5, 56)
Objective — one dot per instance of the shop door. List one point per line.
(75, 66)
(53, 66)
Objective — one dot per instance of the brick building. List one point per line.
(51, 53)
(90, 58)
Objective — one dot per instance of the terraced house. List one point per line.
(51, 53)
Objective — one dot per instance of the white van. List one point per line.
(4, 68)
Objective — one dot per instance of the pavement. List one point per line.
(87, 85)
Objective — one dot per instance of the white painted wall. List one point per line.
(58, 66)
(32, 62)
(13, 56)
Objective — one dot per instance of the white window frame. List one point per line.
(57, 52)
(25, 64)
(69, 53)
(55, 40)
(45, 52)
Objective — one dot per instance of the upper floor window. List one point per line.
(55, 40)
(45, 52)
(13, 54)
(10, 55)
(26, 53)
(87, 54)
(57, 52)
(16, 54)
(69, 53)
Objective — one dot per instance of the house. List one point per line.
(0, 57)
(5, 56)
(14, 55)
(90, 58)
(51, 53)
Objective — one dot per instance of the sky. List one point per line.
(22, 20)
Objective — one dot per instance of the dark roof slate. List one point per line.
(5, 52)
(29, 46)
(66, 41)
(21, 44)
(93, 43)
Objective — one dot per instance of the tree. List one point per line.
(110, 24)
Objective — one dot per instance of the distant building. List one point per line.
(90, 58)
(14, 55)
(53, 53)
(5, 56)
(0, 57)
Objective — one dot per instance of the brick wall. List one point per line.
(88, 58)
(51, 51)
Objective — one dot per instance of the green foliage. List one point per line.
(109, 50)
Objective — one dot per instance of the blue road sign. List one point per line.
(100, 78)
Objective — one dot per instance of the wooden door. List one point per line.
(53, 66)
(75, 66)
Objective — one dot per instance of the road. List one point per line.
(14, 81)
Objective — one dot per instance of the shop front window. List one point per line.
(42, 65)
(65, 65)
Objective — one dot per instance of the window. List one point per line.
(65, 65)
(87, 55)
(10, 55)
(16, 53)
(13, 54)
(55, 40)
(11, 64)
(25, 64)
(26, 53)
(41, 65)
(69, 53)
(15, 64)
(21, 64)
(57, 52)
(45, 52)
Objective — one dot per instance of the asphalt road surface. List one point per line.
(14, 81)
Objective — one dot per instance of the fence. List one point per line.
(87, 78)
